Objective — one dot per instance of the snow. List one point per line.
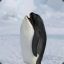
(11, 14)
(10, 51)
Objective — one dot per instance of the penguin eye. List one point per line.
(0, 0)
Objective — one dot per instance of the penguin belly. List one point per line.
(26, 36)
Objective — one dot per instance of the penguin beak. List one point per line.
(30, 16)
(29, 19)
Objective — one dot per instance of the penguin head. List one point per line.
(35, 19)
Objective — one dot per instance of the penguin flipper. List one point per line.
(35, 44)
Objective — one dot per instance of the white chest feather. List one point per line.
(26, 36)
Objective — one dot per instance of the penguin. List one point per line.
(33, 39)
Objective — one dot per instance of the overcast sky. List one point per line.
(58, 5)
(11, 12)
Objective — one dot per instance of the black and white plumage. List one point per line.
(33, 39)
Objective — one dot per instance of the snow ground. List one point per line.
(10, 21)
(10, 50)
